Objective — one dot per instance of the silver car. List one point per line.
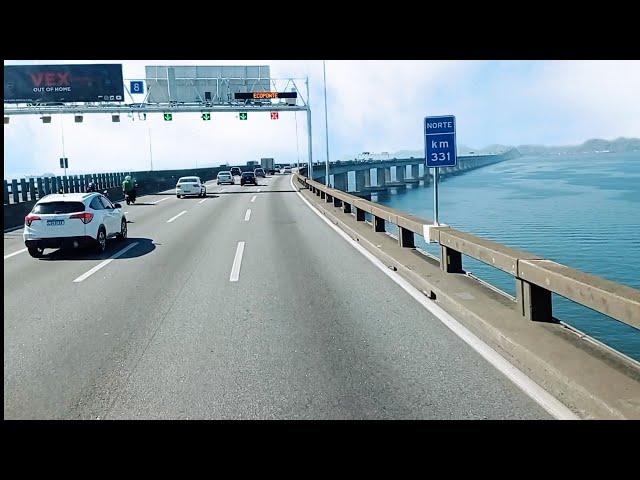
(225, 177)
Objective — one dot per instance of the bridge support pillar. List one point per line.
(534, 302)
(450, 260)
(360, 180)
(340, 181)
(400, 173)
(382, 178)
(387, 175)
(415, 171)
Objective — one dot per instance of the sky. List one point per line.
(374, 106)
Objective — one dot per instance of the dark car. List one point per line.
(236, 171)
(259, 172)
(248, 177)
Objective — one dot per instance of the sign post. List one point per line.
(440, 149)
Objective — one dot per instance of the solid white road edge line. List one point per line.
(15, 253)
(105, 263)
(178, 215)
(253, 199)
(237, 261)
(547, 401)
(247, 215)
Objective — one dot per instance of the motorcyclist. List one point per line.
(129, 187)
(92, 187)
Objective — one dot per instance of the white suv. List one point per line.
(73, 220)
(190, 186)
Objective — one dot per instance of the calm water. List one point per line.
(579, 210)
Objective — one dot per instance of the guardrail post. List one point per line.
(328, 198)
(346, 207)
(23, 189)
(360, 215)
(47, 185)
(534, 302)
(40, 188)
(450, 260)
(14, 191)
(322, 194)
(32, 189)
(6, 192)
(337, 202)
(378, 224)
(406, 238)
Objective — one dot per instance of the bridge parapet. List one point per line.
(536, 278)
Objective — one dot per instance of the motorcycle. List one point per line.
(130, 197)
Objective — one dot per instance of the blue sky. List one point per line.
(373, 106)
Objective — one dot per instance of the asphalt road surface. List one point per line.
(220, 313)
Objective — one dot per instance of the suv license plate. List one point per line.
(54, 223)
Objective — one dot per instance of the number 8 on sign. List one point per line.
(274, 115)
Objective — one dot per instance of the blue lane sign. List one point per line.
(440, 141)
(137, 86)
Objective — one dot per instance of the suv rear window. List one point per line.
(188, 180)
(51, 208)
(247, 174)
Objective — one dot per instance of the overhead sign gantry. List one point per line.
(81, 89)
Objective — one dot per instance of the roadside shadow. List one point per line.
(143, 247)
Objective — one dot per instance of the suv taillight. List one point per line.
(30, 218)
(86, 217)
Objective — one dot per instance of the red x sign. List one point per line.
(274, 115)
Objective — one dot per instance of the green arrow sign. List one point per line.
(243, 115)
(206, 116)
(168, 117)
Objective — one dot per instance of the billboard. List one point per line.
(204, 83)
(63, 83)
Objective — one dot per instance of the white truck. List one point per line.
(268, 166)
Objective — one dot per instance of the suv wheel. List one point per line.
(101, 240)
(35, 252)
(123, 230)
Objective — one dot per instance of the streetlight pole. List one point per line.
(64, 162)
(309, 148)
(326, 122)
(150, 151)
(295, 117)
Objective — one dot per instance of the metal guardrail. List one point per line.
(536, 278)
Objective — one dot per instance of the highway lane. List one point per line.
(310, 329)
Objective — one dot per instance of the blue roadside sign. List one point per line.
(137, 86)
(440, 141)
